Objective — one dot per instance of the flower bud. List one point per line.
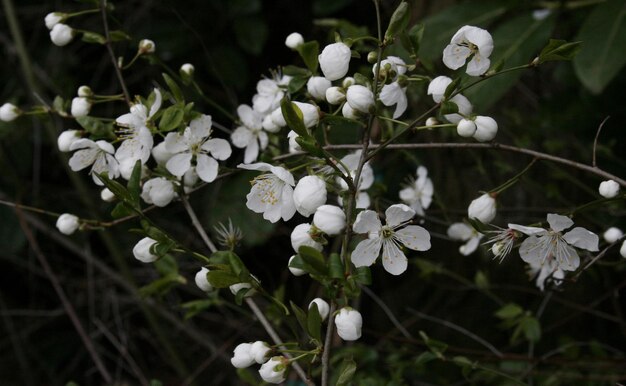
(322, 307)
(335, 61)
(310, 114)
(158, 191)
(347, 82)
(300, 236)
(146, 46)
(107, 195)
(67, 223)
(85, 91)
(278, 118)
(486, 128)
(466, 127)
(483, 209)
(349, 323)
(431, 121)
(66, 139)
(317, 86)
(309, 194)
(242, 357)
(201, 280)
(437, 87)
(613, 234)
(608, 189)
(293, 144)
(61, 34)
(8, 112)
(269, 125)
(141, 250)
(330, 219)
(187, 69)
(259, 350)
(295, 271)
(80, 107)
(335, 95)
(360, 98)
(273, 371)
(348, 112)
(622, 250)
(372, 57)
(294, 40)
(235, 288)
(54, 18)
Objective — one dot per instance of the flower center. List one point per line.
(386, 232)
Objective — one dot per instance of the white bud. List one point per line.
(613, 234)
(80, 107)
(293, 144)
(67, 223)
(187, 69)
(85, 91)
(300, 236)
(146, 46)
(348, 112)
(330, 219)
(622, 250)
(347, 82)
(322, 307)
(61, 34)
(273, 371)
(294, 40)
(259, 350)
(608, 189)
(235, 288)
(201, 280)
(278, 118)
(466, 127)
(335, 61)
(269, 125)
(431, 121)
(141, 250)
(335, 95)
(317, 86)
(190, 178)
(107, 195)
(437, 87)
(160, 154)
(66, 139)
(309, 194)
(8, 112)
(349, 322)
(310, 114)
(360, 98)
(53, 18)
(242, 357)
(295, 271)
(486, 128)
(483, 209)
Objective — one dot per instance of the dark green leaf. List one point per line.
(398, 21)
(118, 35)
(509, 311)
(297, 83)
(424, 358)
(222, 279)
(448, 107)
(92, 37)
(341, 123)
(314, 322)
(162, 285)
(293, 117)
(300, 315)
(174, 89)
(348, 368)
(412, 39)
(309, 145)
(134, 190)
(559, 50)
(451, 87)
(172, 117)
(96, 127)
(314, 258)
(336, 269)
(58, 104)
(238, 267)
(531, 328)
(296, 71)
(116, 188)
(309, 52)
(362, 275)
(121, 210)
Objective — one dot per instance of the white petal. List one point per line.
(530, 231)
(363, 200)
(469, 247)
(179, 164)
(582, 238)
(394, 260)
(175, 143)
(567, 258)
(206, 168)
(260, 166)
(482, 39)
(288, 208)
(460, 231)
(367, 221)
(454, 56)
(249, 117)
(263, 139)
(252, 151)
(534, 250)
(366, 252)
(218, 147)
(157, 103)
(397, 214)
(82, 143)
(414, 237)
(558, 222)
(400, 106)
(200, 127)
(478, 65)
(83, 158)
(283, 174)
(241, 137)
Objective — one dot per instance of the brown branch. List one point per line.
(107, 35)
(595, 142)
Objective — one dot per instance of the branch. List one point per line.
(107, 35)
(327, 343)
(595, 142)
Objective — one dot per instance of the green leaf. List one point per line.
(172, 117)
(531, 328)
(362, 275)
(293, 117)
(58, 104)
(309, 145)
(92, 37)
(96, 127)
(222, 279)
(121, 210)
(162, 285)
(116, 188)
(604, 37)
(309, 52)
(195, 307)
(398, 21)
(314, 258)
(559, 50)
(341, 123)
(448, 107)
(238, 267)
(424, 358)
(481, 280)
(296, 71)
(346, 373)
(134, 189)
(509, 311)
(118, 36)
(314, 323)
(300, 316)
(451, 87)
(174, 89)
(335, 265)
(297, 83)
(412, 39)
(162, 248)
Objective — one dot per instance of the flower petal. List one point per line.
(397, 214)
(260, 166)
(582, 238)
(414, 237)
(157, 103)
(252, 151)
(366, 222)
(469, 247)
(175, 143)
(558, 222)
(283, 174)
(366, 252)
(478, 65)
(206, 168)
(83, 158)
(394, 260)
(534, 250)
(179, 164)
(460, 231)
(218, 147)
(288, 207)
(529, 231)
(241, 137)
(454, 56)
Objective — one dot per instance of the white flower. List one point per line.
(394, 94)
(482, 208)
(201, 280)
(463, 232)
(351, 162)
(235, 288)
(486, 128)
(502, 241)
(80, 106)
(250, 135)
(259, 350)
(67, 223)
(608, 189)
(107, 195)
(437, 87)
(431, 121)
(317, 86)
(465, 108)
(335, 95)
(389, 238)
(66, 139)
(146, 46)
(419, 194)
(310, 113)
(294, 40)
(187, 69)
(349, 322)
(612, 234)
(160, 154)
(294, 147)
(85, 91)
(622, 250)
(322, 307)
(348, 112)
(277, 118)
(329, 219)
(242, 357)
(99, 154)
(552, 247)
(309, 194)
(360, 98)
(390, 67)
(194, 145)
(53, 18)
(141, 250)
(8, 112)
(158, 191)
(269, 94)
(466, 127)
(469, 41)
(295, 271)
(273, 371)
(543, 272)
(61, 34)
(335, 61)
(301, 235)
(271, 193)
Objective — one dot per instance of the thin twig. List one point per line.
(107, 36)
(596, 258)
(327, 343)
(595, 142)
(387, 311)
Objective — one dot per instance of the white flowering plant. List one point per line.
(271, 225)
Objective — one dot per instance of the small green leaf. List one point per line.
(309, 145)
(335, 265)
(118, 36)
(362, 275)
(92, 37)
(222, 279)
(300, 316)
(293, 117)
(412, 39)
(451, 87)
(58, 104)
(531, 328)
(314, 322)
(162, 248)
(341, 123)
(162, 285)
(362, 80)
(346, 373)
(118, 189)
(174, 89)
(238, 267)
(481, 280)
(96, 127)
(424, 358)
(172, 117)
(309, 52)
(134, 189)
(296, 71)
(559, 50)
(509, 311)
(296, 84)
(314, 258)
(398, 21)
(448, 107)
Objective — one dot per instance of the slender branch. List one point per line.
(387, 311)
(596, 258)
(107, 35)
(595, 142)
(197, 225)
(327, 343)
